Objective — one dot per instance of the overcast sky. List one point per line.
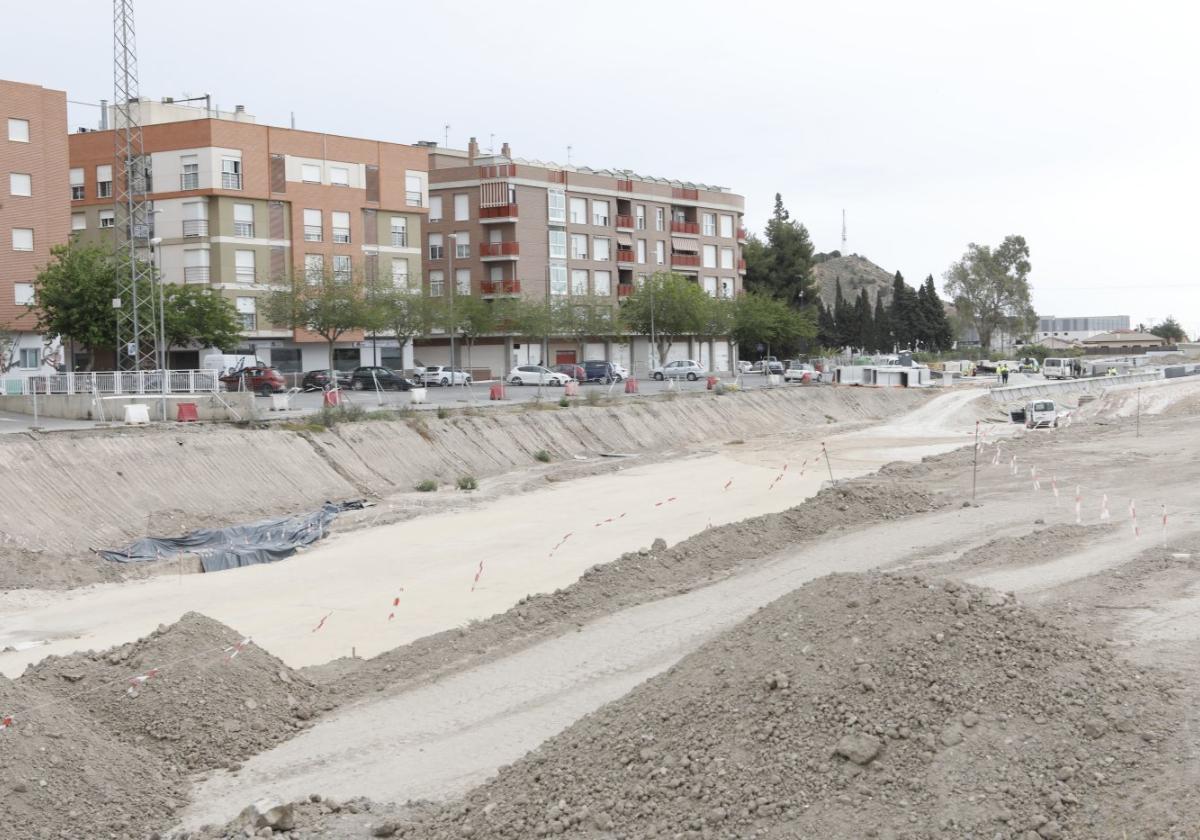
(933, 124)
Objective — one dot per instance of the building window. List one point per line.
(602, 283)
(342, 270)
(310, 173)
(462, 281)
(557, 202)
(641, 251)
(579, 280)
(640, 217)
(600, 249)
(231, 173)
(579, 249)
(414, 191)
(436, 249)
(708, 224)
(31, 358)
(106, 218)
(710, 286)
(22, 294)
(710, 256)
(435, 208)
(600, 213)
(244, 266)
(104, 181)
(18, 130)
(400, 233)
(189, 175)
(339, 176)
(195, 266)
(195, 218)
(558, 244)
(22, 239)
(312, 225)
(78, 221)
(247, 310)
(726, 226)
(462, 245)
(314, 268)
(726, 257)
(435, 283)
(659, 218)
(243, 220)
(400, 272)
(462, 207)
(660, 252)
(558, 279)
(341, 227)
(20, 183)
(579, 211)
(77, 190)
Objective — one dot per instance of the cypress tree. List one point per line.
(937, 323)
(843, 318)
(883, 326)
(826, 327)
(866, 323)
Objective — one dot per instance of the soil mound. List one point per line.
(858, 706)
(199, 708)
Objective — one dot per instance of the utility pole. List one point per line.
(975, 463)
(843, 233)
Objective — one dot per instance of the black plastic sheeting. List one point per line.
(264, 541)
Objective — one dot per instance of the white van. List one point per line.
(1056, 368)
(1041, 414)
(229, 362)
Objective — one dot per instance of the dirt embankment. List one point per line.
(115, 485)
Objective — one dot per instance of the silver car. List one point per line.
(688, 369)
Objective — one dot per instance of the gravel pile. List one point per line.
(859, 706)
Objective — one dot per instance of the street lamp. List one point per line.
(450, 281)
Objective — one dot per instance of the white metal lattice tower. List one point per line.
(844, 254)
(138, 342)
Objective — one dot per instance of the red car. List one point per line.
(576, 372)
(260, 380)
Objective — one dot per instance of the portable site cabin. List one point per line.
(884, 376)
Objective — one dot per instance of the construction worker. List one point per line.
(1003, 371)
(1112, 371)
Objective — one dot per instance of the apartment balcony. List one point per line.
(625, 255)
(499, 288)
(493, 251)
(685, 193)
(503, 213)
(624, 222)
(624, 290)
(624, 185)
(741, 266)
(195, 227)
(685, 260)
(686, 228)
(741, 234)
(196, 274)
(499, 170)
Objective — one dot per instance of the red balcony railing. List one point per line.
(685, 193)
(501, 170)
(500, 287)
(625, 185)
(504, 211)
(742, 234)
(684, 227)
(625, 255)
(624, 290)
(625, 222)
(685, 259)
(500, 249)
(741, 265)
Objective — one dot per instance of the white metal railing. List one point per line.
(231, 181)
(195, 227)
(341, 236)
(312, 233)
(244, 229)
(195, 274)
(189, 181)
(399, 239)
(124, 382)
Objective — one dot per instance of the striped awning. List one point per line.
(625, 239)
(685, 245)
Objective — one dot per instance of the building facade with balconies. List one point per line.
(33, 217)
(237, 205)
(501, 226)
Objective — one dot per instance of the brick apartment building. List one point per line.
(500, 226)
(34, 215)
(237, 205)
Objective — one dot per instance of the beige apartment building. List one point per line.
(501, 226)
(237, 205)
(33, 216)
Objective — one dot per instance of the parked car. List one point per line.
(572, 370)
(796, 371)
(318, 380)
(765, 366)
(621, 371)
(260, 380)
(534, 375)
(600, 371)
(365, 378)
(744, 367)
(443, 375)
(688, 369)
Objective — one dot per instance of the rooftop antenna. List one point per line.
(293, 115)
(491, 144)
(446, 128)
(843, 233)
(568, 155)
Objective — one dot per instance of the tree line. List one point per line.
(913, 319)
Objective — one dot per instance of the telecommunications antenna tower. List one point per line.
(137, 334)
(844, 233)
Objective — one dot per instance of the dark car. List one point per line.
(572, 370)
(599, 371)
(372, 378)
(318, 380)
(260, 380)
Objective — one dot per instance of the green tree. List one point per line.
(843, 317)
(1169, 330)
(883, 326)
(905, 314)
(864, 321)
(199, 315)
(532, 320)
(584, 317)
(937, 334)
(782, 265)
(667, 306)
(762, 319)
(324, 305)
(990, 288)
(73, 295)
(827, 333)
(402, 312)
(468, 319)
